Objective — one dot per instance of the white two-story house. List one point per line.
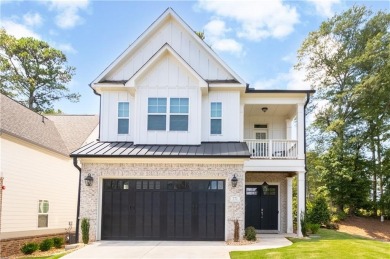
(186, 146)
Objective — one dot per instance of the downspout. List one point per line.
(304, 142)
(78, 199)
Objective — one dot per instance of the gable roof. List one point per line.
(169, 13)
(61, 135)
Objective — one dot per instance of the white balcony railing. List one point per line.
(272, 148)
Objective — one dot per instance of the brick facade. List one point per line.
(90, 195)
(12, 246)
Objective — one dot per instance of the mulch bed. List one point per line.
(366, 227)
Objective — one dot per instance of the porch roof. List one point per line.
(128, 149)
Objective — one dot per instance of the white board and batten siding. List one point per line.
(276, 126)
(182, 42)
(230, 116)
(32, 174)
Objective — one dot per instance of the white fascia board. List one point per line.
(160, 20)
(274, 165)
(161, 52)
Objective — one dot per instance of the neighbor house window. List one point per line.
(178, 118)
(123, 118)
(216, 118)
(157, 110)
(43, 213)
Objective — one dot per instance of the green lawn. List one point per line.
(331, 244)
(56, 256)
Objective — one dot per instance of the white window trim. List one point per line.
(216, 118)
(168, 114)
(40, 213)
(118, 117)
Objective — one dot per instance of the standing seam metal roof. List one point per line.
(128, 149)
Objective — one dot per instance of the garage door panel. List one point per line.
(163, 209)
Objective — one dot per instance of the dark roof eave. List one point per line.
(156, 156)
(252, 90)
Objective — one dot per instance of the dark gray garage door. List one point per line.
(163, 209)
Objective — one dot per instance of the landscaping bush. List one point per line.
(58, 242)
(319, 213)
(313, 228)
(304, 223)
(250, 234)
(85, 230)
(29, 248)
(338, 216)
(46, 244)
(332, 225)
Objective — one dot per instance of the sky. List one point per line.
(257, 39)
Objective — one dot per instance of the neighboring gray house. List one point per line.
(186, 146)
(39, 184)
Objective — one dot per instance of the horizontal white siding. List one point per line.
(182, 42)
(31, 175)
(276, 126)
(230, 116)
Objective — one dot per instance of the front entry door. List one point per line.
(261, 207)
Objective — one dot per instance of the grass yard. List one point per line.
(329, 244)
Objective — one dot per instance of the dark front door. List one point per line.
(163, 209)
(261, 207)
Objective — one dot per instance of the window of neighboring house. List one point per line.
(178, 118)
(123, 118)
(157, 110)
(216, 118)
(43, 213)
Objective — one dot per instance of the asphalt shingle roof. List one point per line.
(61, 133)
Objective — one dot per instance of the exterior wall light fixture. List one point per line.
(88, 180)
(234, 181)
(264, 109)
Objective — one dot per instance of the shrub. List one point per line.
(29, 248)
(332, 225)
(319, 212)
(338, 216)
(304, 223)
(46, 244)
(236, 231)
(313, 227)
(58, 242)
(250, 234)
(85, 230)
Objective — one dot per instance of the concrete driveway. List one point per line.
(171, 249)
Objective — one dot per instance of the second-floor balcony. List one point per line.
(272, 148)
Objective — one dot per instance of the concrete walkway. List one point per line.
(172, 249)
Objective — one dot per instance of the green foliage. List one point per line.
(313, 228)
(319, 212)
(29, 248)
(200, 34)
(329, 244)
(332, 225)
(34, 73)
(304, 224)
(347, 60)
(338, 216)
(58, 242)
(85, 230)
(250, 233)
(46, 244)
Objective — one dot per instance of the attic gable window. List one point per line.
(123, 118)
(157, 109)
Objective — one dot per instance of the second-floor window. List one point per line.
(178, 120)
(123, 118)
(177, 116)
(157, 110)
(216, 118)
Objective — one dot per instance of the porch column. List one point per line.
(301, 200)
(300, 131)
(289, 205)
(288, 129)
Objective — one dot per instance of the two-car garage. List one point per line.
(145, 209)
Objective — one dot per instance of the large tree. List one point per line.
(347, 61)
(33, 73)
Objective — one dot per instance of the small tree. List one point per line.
(85, 230)
(319, 212)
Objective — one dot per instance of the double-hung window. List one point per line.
(178, 118)
(157, 110)
(43, 213)
(216, 118)
(123, 118)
